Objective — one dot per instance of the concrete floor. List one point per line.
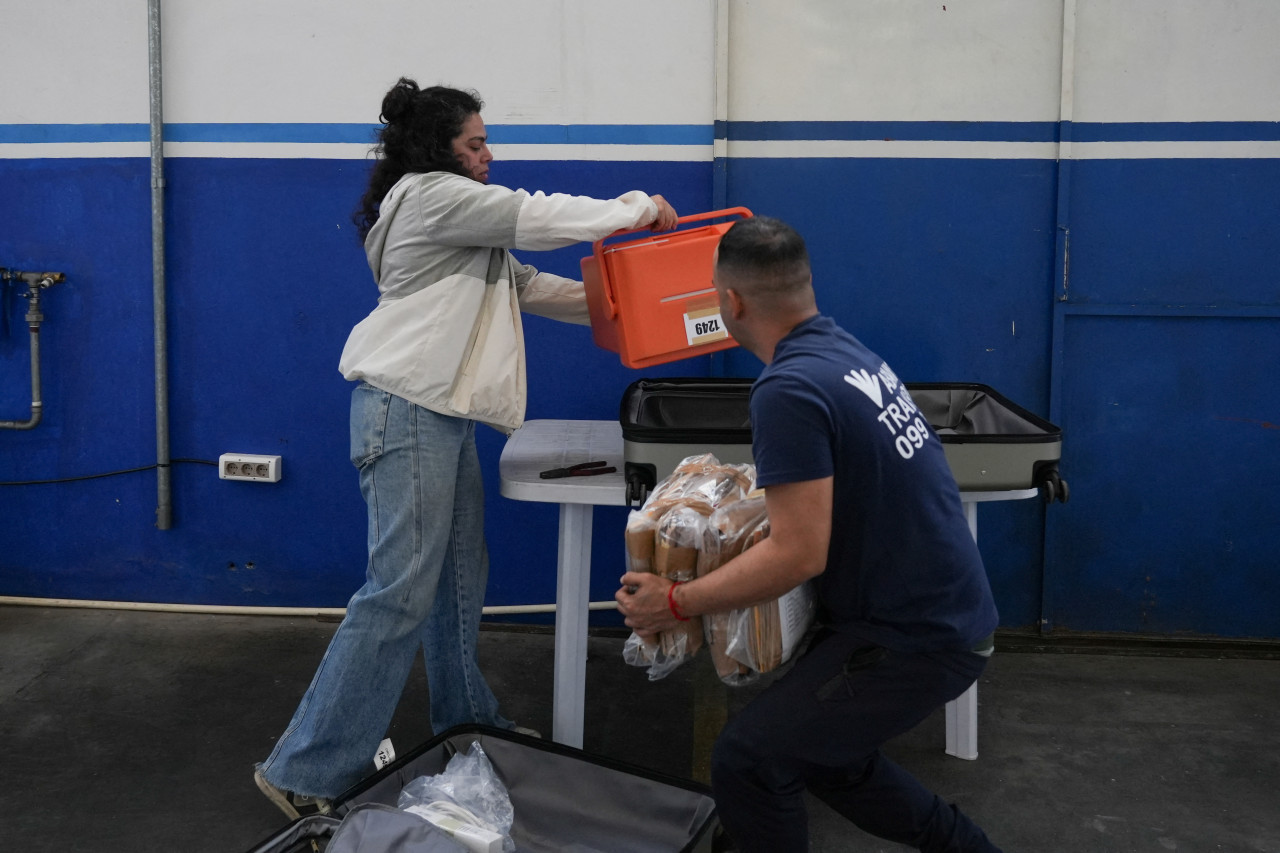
(130, 731)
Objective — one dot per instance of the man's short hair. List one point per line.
(768, 253)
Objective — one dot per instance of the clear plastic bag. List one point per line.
(661, 656)
(468, 800)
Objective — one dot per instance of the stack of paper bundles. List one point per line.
(760, 638)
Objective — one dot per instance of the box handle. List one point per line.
(597, 249)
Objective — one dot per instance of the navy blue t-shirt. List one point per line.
(902, 570)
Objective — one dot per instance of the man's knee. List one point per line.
(737, 751)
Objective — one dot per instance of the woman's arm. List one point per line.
(551, 296)
(457, 211)
(556, 220)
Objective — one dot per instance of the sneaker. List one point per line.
(294, 805)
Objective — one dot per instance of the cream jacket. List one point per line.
(446, 333)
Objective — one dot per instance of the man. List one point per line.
(860, 498)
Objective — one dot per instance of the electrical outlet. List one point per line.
(247, 466)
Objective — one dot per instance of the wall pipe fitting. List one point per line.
(36, 282)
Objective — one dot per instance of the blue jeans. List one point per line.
(820, 727)
(424, 586)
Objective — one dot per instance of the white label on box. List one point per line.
(704, 326)
(796, 610)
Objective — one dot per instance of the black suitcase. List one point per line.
(564, 799)
(666, 420)
(991, 443)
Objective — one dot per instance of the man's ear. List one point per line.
(735, 303)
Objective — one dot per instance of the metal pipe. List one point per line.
(164, 489)
(1061, 275)
(250, 610)
(720, 119)
(36, 281)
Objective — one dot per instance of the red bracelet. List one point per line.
(671, 602)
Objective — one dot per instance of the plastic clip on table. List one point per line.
(544, 444)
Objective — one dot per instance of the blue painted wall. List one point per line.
(1165, 380)
(266, 278)
(1121, 284)
(944, 266)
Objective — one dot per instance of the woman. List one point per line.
(442, 351)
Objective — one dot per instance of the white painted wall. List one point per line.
(1178, 60)
(74, 62)
(894, 60)
(1000, 60)
(571, 62)
(533, 61)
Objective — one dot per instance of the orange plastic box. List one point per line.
(651, 300)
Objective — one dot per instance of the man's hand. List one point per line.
(794, 551)
(642, 600)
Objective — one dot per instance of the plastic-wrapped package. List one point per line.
(765, 636)
(675, 555)
(730, 530)
(467, 800)
(665, 536)
(752, 640)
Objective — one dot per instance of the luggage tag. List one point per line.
(385, 755)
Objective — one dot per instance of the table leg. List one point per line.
(573, 586)
(962, 712)
(962, 724)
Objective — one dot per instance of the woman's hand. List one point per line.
(667, 216)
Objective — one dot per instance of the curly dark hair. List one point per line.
(418, 129)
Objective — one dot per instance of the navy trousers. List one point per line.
(820, 727)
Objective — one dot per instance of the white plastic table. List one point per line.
(543, 444)
(962, 712)
(536, 447)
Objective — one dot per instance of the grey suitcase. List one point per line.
(564, 798)
(368, 827)
(991, 444)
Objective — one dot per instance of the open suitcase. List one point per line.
(564, 799)
(991, 444)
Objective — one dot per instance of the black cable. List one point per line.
(108, 474)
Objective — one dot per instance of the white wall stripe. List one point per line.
(741, 149)
(346, 151)
(1222, 150)
(893, 148)
(65, 150)
(658, 153)
(269, 150)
